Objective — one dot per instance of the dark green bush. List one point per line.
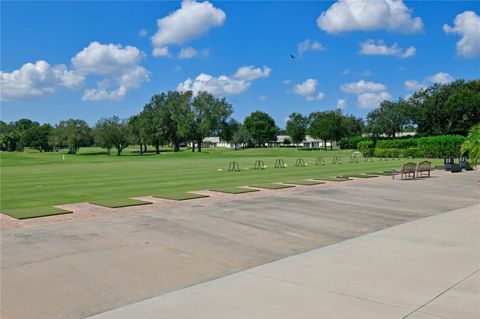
(440, 146)
(352, 142)
(398, 144)
(387, 152)
(366, 147)
(412, 152)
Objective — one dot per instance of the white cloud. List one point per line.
(308, 89)
(187, 53)
(341, 103)
(192, 20)
(161, 51)
(286, 82)
(263, 98)
(441, 77)
(250, 73)
(413, 85)
(118, 65)
(369, 94)
(224, 85)
(308, 45)
(372, 47)
(142, 33)
(467, 25)
(219, 86)
(366, 15)
(37, 79)
(372, 100)
(362, 86)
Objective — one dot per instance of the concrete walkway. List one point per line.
(422, 269)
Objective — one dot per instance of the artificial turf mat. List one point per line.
(333, 179)
(381, 173)
(271, 186)
(233, 190)
(24, 213)
(180, 196)
(120, 202)
(358, 176)
(304, 183)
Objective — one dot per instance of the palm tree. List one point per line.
(472, 144)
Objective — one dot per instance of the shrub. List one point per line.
(398, 144)
(352, 142)
(412, 152)
(366, 147)
(387, 152)
(472, 145)
(441, 146)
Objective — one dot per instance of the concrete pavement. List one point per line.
(80, 268)
(423, 269)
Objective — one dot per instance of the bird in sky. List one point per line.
(292, 56)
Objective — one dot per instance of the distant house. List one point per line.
(282, 141)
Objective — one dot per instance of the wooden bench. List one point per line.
(424, 168)
(408, 170)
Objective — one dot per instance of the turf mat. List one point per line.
(34, 212)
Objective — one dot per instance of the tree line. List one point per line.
(179, 118)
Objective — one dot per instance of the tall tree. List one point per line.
(389, 119)
(112, 133)
(326, 126)
(297, 125)
(175, 117)
(242, 137)
(136, 131)
(261, 127)
(208, 115)
(37, 137)
(228, 130)
(154, 130)
(72, 133)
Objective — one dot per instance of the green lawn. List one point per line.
(30, 179)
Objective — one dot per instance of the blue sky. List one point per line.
(97, 59)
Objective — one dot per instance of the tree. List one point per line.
(37, 137)
(446, 108)
(296, 128)
(153, 129)
(389, 118)
(175, 115)
(326, 126)
(112, 132)
(352, 126)
(471, 146)
(9, 137)
(242, 137)
(73, 134)
(207, 115)
(228, 130)
(261, 127)
(136, 131)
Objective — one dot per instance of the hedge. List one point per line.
(433, 146)
(366, 147)
(352, 142)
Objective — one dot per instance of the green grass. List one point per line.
(180, 196)
(271, 186)
(120, 202)
(33, 212)
(30, 179)
(304, 183)
(233, 190)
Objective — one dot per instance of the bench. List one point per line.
(464, 164)
(408, 170)
(424, 168)
(448, 162)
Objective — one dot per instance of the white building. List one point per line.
(282, 141)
